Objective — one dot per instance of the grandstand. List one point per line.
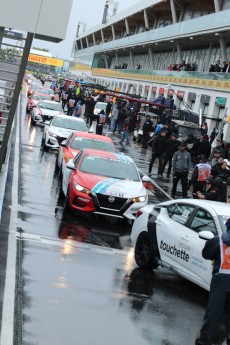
(174, 48)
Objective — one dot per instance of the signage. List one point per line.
(191, 96)
(147, 88)
(154, 88)
(45, 60)
(12, 35)
(221, 101)
(205, 99)
(229, 119)
(170, 92)
(161, 91)
(180, 94)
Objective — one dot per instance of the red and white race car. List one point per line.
(105, 183)
(78, 141)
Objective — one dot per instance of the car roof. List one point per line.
(109, 155)
(218, 207)
(67, 117)
(92, 136)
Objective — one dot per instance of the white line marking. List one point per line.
(7, 326)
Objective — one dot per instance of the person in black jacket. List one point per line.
(221, 173)
(172, 146)
(147, 128)
(218, 250)
(203, 146)
(208, 192)
(158, 151)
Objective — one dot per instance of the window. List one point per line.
(77, 159)
(203, 221)
(181, 212)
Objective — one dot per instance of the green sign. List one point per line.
(221, 101)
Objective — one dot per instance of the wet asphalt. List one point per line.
(76, 279)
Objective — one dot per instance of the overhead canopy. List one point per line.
(47, 19)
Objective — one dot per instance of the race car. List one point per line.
(172, 234)
(34, 99)
(78, 141)
(104, 183)
(45, 111)
(60, 128)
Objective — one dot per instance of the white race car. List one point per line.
(172, 234)
(45, 111)
(60, 128)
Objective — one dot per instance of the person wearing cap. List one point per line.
(218, 251)
(217, 158)
(172, 145)
(181, 163)
(208, 192)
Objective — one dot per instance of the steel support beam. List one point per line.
(173, 10)
(127, 26)
(13, 107)
(146, 19)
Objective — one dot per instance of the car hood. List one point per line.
(110, 186)
(61, 132)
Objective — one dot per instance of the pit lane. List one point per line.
(87, 288)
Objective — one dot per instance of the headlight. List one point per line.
(51, 134)
(80, 188)
(139, 199)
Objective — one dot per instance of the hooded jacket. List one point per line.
(212, 251)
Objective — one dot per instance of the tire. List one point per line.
(144, 252)
(43, 145)
(66, 201)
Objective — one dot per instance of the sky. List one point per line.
(86, 11)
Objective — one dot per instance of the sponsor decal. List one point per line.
(173, 250)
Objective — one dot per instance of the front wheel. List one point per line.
(144, 252)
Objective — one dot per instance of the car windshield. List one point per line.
(222, 220)
(183, 132)
(101, 106)
(50, 106)
(88, 143)
(114, 168)
(70, 124)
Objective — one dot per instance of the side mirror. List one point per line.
(145, 178)
(70, 165)
(206, 235)
(63, 143)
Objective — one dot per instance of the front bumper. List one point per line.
(100, 204)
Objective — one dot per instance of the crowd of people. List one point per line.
(208, 166)
(183, 66)
(193, 161)
(220, 67)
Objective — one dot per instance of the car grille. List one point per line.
(47, 117)
(60, 139)
(116, 204)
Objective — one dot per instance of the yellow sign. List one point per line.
(228, 118)
(45, 60)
